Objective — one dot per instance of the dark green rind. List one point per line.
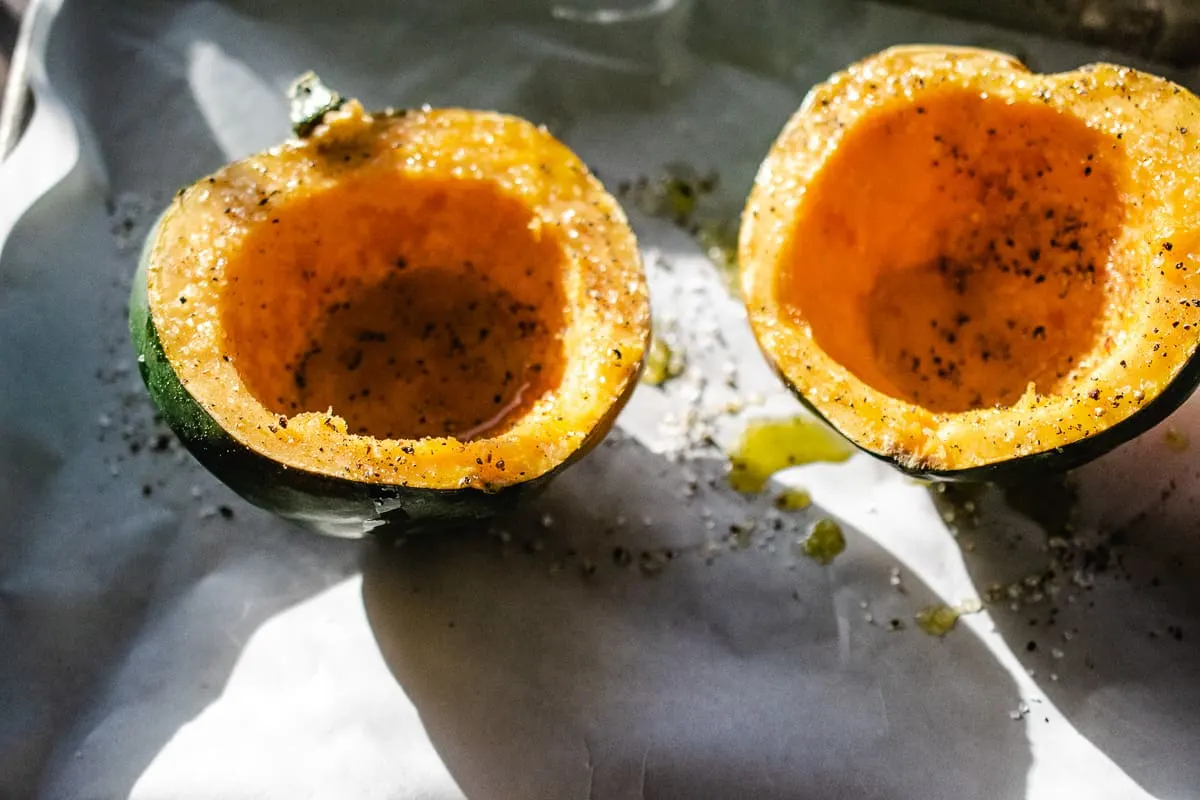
(333, 506)
(1054, 461)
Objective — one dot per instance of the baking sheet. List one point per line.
(160, 638)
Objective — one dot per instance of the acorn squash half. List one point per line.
(405, 317)
(972, 270)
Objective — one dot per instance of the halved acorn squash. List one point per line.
(405, 317)
(970, 269)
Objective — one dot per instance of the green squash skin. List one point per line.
(328, 505)
(1048, 462)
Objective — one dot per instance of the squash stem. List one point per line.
(311, 100)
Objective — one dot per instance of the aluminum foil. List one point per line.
(640, 631)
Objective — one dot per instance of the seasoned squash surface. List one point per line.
(959, 263)
(437, 299)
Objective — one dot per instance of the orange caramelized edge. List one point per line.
(434, 299)
(957, 262)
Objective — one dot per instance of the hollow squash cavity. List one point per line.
(955, 253)
(413, 308)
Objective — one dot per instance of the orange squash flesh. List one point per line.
(437, 299)
(959, 263)
(978, 269)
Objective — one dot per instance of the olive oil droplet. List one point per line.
(1177, 441)
(937, 620)
(793, 500)
(768, 446)
(825, 542)
(662, 363)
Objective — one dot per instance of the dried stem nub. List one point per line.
(311, 101)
